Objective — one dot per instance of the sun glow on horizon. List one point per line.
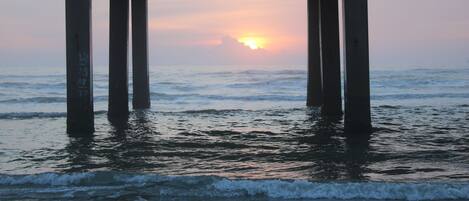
(253, 43)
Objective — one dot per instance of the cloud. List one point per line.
(228, 51)
(231, 51)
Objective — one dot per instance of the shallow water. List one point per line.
(238, 133)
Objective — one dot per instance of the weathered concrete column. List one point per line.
(330, 58)
(80, 116)
(141, 83)
(118, 61)
(314, 93)
(357, 67)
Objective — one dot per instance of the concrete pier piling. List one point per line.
(357, 75)
(141, 83)
(324, 62)
(80, 115)
(314, 95)
(330, 58)
(118, 59)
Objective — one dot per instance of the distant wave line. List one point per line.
(419, 96)
(36, 115)
(267, 97)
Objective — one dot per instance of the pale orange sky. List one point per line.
(403, 33)
(280, 23)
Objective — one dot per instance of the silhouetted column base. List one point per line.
(118, 62)
(330, 58)
(357, 75)
(314, 91)
(80, 115)
(141, 81)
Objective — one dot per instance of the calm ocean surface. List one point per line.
(236, 133)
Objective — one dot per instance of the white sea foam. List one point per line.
(369, 190)
(51, 179)
(106, 183)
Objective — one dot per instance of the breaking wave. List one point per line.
(105, 184)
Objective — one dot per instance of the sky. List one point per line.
(403, 33)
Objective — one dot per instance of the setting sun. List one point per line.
(253, 42)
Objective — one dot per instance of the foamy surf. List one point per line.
(110, 185)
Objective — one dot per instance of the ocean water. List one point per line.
(236, 133)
